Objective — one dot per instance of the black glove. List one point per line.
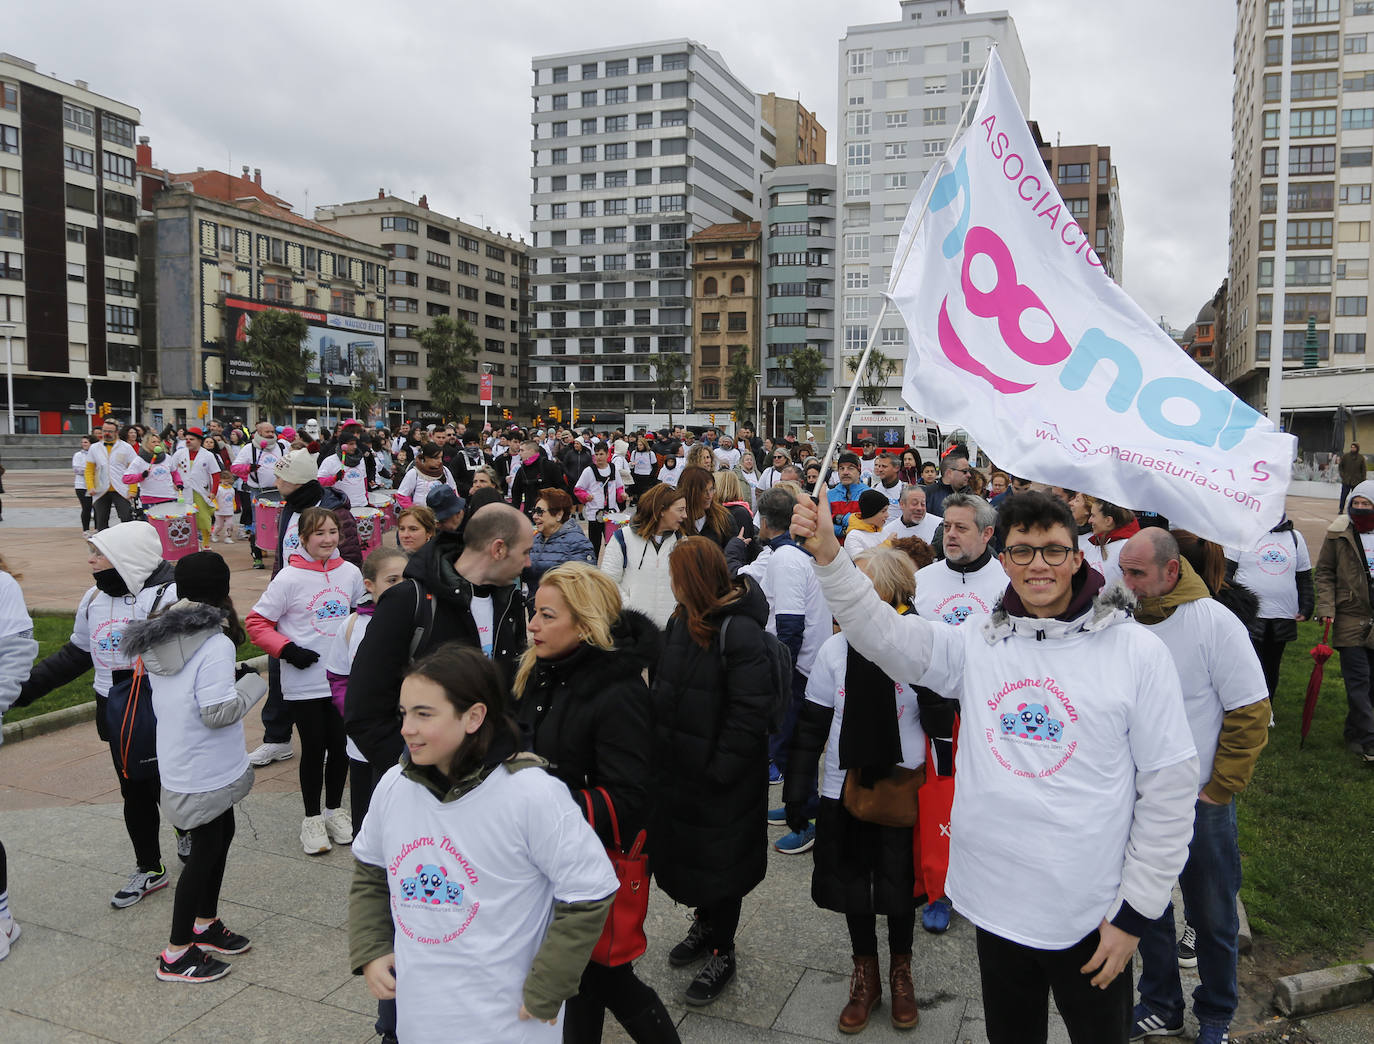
(297, 657)
(943, 749)
(797, 819)
(242, 670)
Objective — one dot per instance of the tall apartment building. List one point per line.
(633, 149)
(1086, 179)
(440, 265)
(218, 250)
(799, 227)
(1302, 115)
(800, 136)
(69, 289)
(902, 89)
(725, 303)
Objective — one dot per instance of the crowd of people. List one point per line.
(572, 639)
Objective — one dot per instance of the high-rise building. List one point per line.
(725, 304)
(69, 288)
(902, 89)
(799, 274)
(1086, 179)
(633, 149)
(1302, 114)
(440, 265)
(800, 136)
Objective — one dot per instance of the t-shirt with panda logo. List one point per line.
(308, 601)
(945, 594)
(100, 622)
(1270, 569)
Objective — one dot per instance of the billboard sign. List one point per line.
(338, 345)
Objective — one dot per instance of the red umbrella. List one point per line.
(1320, 654)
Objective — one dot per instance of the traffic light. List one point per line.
(713, 419)
(505, 414)
(106, 409)
(556, 413)
(732, 416)
(593, 418)
(576, 413)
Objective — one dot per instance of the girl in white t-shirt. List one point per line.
(224, 509)
(295, 620)
(428, 471)
(474, 867)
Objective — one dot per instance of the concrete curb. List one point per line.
(66, 717)
(1309, 993)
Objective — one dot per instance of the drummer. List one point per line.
(200, 475)
(346, 469)
(448, 508)
(254, 465)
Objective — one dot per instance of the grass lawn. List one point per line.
(52, 631)
(1306, 823)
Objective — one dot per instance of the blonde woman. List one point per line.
(733, 495)
(581, 697)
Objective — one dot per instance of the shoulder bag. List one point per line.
(622, 939)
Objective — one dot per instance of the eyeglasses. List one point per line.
(1053, 554)
(538, 511)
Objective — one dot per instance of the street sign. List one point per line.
(90, 405)
(484, 390)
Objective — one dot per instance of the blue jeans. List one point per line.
(1210, 882)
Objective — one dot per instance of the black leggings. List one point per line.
(634, 1004)
(198, 887)
(4, 871)
(324, 755)
(361, 782)
(141, 817)
(596, 532)
(86, 508)
(721, 921)
(1270, 652)
(863, 933)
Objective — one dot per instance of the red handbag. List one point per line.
(934, 801)
(622, 939)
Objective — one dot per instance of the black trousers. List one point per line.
(141, 817)
(634, 1004)
(324, 754)
(1017, 981)
(276, 712)
(1270, 652)
(863, 933)
(362, 780)
(84, 499)
(721, 920)
(198, 887)
(123, 509)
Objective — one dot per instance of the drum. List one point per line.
(370, 528)
(175, 523)
(266, 518)
(380, 499)
(613, 522)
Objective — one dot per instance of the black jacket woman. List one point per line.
(584, 708)
(704, 514)
(712, 696)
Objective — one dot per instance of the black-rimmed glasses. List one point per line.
(1053, 554)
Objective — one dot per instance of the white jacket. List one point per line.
(105, 468)
(601, 495)
(640, 569)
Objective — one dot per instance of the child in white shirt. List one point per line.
(224, 509)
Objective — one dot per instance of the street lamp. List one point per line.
(758, 401)
(684, 402)
(353, 387)
(9, 329)
(572, 404)
(326, 402)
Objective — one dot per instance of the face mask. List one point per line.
(1362, 519)
(264, 443)
(109, 582)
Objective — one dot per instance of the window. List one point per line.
(558, 157)
(1315, 47)
(1307, 271)
(72, 157)
(644, 120)
(118, 168)
(1074, 173)
(859, 123)
(1354, 232)
(438, 286)
(1314, 12)
(1312, 123)
(1266, 235)
(614, 235)
(614, 179)
(1273, 50)
(1357, 119)
(617, 152)
(1273, 87)
(860, 62)
(672, 202)
(1352, 305)
(76, 118)
(1358, 82)
(617, 95)
(896, 119)
(587, 208)
(400, 224)
(75, 233)
(709, 288)
(403, 304)
(1271, 125)
(398, 278)
(1357, 44)
(968, 80)
(856, 186)
(858, 155)
(560, 102)
(436, 259)
(897, 55)
(894, 150)
(9, 181)
(856, 307)
(1079, 207)
(855, 338)
(619, 67)
(669, 118)
(558, 211)
(121, 244)
(1264, 311)
(589, 71)
(559, 129)
(895, 88)
(11, 265)
(1298, 308)
(934, 147)
(129, 287)
(9, 97)
(738, 322)
(673, 89)
(936, 84)
(588, 126)
(1308, 85)
(122, 207)
(1269, 163)
(1312, 159)
(674, 61)
(560, 74)
(1353, 158)
(1265, 272)
(1312, 195)
(710, 322)
(1355, 193)
(1350, 344)
(644, 65)
(894, 181)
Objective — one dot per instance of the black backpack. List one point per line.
(780, 663)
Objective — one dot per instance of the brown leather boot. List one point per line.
(865, 994)
(904, 1012)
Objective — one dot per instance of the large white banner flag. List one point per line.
(1019, 336)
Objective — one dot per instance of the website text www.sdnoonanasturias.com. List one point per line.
(1085, 448)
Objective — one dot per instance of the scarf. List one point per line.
(108, 581)
(1190, 588)
(868, 732)
(156, 456)
(1362, 519)
(1127, 531)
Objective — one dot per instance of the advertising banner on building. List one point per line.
(1020, 336)
(339, 345)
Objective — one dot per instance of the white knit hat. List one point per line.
(133, 548)
(298, 467)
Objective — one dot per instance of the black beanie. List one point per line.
(203, 577)
(870, 503)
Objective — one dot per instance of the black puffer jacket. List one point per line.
(531, 478)
(374, 686)
(588, 716)
(711, 757)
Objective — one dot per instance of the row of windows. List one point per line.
(616, 262)
(621, 95)
(619, 150)
(737, 322)
(621, 67)
(620, 124)
(1313, 159)
(710, 288)
(1312, 47)
(1299, 308)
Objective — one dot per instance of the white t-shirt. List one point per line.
(790, 585)
(925, 529)
(826, 687)
(1367, 542)
(943, 593)
(856, 540)
(598, 487)
(483, 617)
(417, 486)
(200, 475)
(79, 470)
(1270, 569)
(642, 462)
(670, 476)
(307, 603)
(154, 480)
(267, 459)
(193, 758)
(224, 500)
(894, 497)
(473, 883)
(1093, 555)
(99, 627)
(725, 458)
(1217, 667)
(352, 483)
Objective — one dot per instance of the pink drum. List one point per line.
(266, 518)
(370, 528)
(613, 522)
(175, 523)
(385, 501)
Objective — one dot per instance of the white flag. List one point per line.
(1021, 337)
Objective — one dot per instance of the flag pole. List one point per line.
(874, 332)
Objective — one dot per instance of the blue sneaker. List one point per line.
(1148, 1024)
(935, 917)
(1211, 1033)
(774, 773)
(777, 817)
(797, 841)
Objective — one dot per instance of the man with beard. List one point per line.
(954, 473)
(913, 518)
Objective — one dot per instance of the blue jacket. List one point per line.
(844, 501)
(569, 544)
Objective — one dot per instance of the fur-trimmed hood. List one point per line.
(1112, 605)
(168, 640)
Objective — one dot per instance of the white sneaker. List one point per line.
(8, 935)
(228, 539)
(214, 538)
(270, 752)
(339, 825)
(314, 836)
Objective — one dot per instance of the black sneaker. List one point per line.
(191, 966)
(692, 948)
(219, 939)
(1187, 947)
(141, 883)
(714, 976)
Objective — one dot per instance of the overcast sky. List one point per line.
(335, 100)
